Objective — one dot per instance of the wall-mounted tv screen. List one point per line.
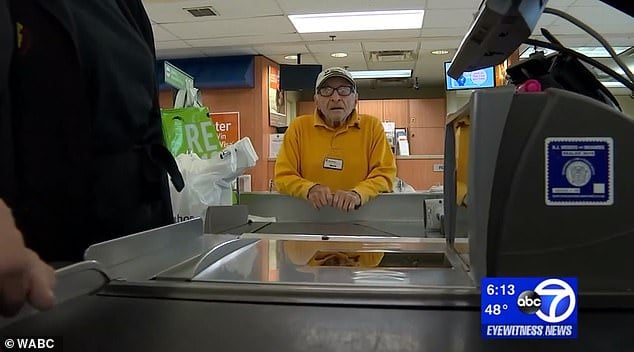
(298, 77)
(482, 78)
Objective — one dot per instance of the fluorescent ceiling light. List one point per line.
(339, 55)
(357, 21)
(590, 51)
(381, 74)
(290, 57)
(613, 84)
(599, 51)
(620, 71)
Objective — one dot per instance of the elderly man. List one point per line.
(335, 157)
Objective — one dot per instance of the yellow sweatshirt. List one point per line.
(355, 156)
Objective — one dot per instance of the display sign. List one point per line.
(176, 77)
(482, 78)
(531, 308)
(227, 127)
(277, 101)
(579, 171)
(275, 143)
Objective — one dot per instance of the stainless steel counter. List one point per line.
(385, 207)
(175, 288)
(262, 258)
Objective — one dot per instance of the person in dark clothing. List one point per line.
(24, 277)
(81, 146)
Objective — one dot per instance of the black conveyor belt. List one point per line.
(106, 323)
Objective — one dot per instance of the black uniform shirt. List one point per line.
(112, 49)
(89, 154)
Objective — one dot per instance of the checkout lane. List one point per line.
(131, 310)
(183, 287)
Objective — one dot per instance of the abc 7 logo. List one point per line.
(531, 302)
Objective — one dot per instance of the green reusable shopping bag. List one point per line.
(190, 129)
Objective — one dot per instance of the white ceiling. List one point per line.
(261, 27)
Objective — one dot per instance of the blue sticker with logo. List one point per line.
(579, 171)
(528, 308)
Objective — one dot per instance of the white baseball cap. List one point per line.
(334, 72)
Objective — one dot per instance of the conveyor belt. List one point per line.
(101, 323)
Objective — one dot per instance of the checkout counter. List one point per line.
(274, 274)
(313, 280)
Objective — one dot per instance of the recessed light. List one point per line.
(290, 57)
(339, 55)
(440, 52)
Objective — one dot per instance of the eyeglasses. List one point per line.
(327, 91)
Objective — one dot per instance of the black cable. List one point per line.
(584, 58)
(595, 35)
(550, 37)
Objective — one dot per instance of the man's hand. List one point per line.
(23, 275)
(320, 196)
(346, 200)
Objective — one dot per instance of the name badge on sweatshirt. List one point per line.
(331, 163)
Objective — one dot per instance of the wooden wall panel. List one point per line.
(262, 129)
(271, 172)
(371, 107)
(427, 112)
(166, 99)
(419, 173)
(396, 110)
(426, 140)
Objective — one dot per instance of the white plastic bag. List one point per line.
(209, 181)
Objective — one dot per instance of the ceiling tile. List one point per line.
(429, 44)
(608, 15)
(306, 59)
(335, 46)
(330, 6)
(390, 45)
(244, 40)
(261, 27)
(448, 19)
(161, 34)
(246, 8)
(406, 65)
(445, 33)
(586, 3)
(239, 27)
(454, 4)
(179, 53)
(171, 44)
(325, 58)
(171, 12)
(559, 3)
(281, 49)
(373, 35)
(229, 51)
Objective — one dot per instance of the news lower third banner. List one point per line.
(529, 308)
